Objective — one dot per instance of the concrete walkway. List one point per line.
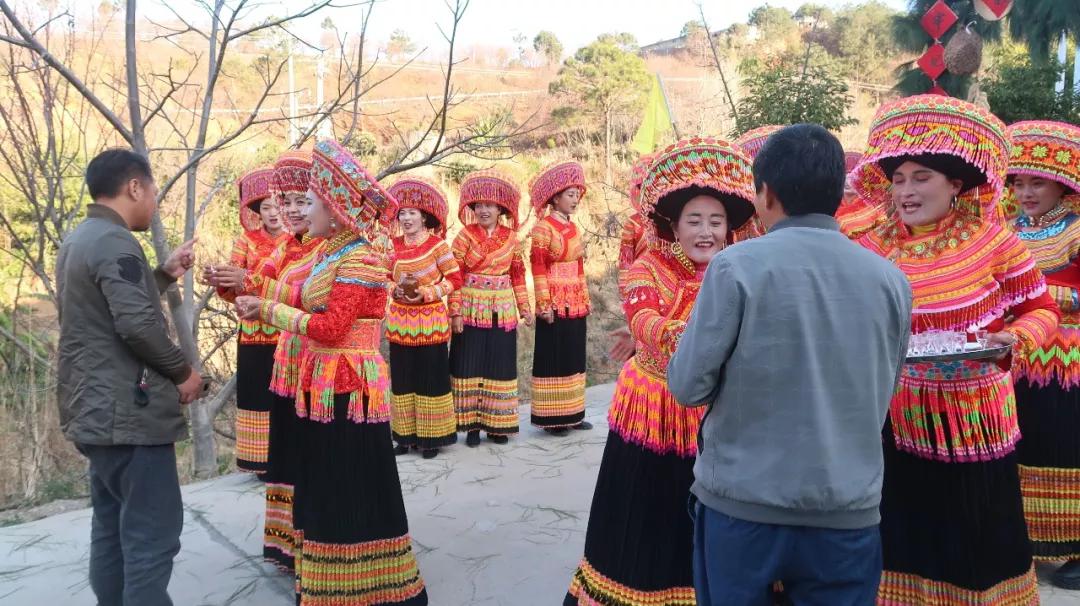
(492, 526)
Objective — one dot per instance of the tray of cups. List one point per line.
(944, 346)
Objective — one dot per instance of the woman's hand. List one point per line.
(247, 307)
(528, 320)
(224, 276)
(547, 316)
(1003, 338)
(457, 324)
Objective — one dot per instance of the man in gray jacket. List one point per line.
(122, 381)
(795, 345)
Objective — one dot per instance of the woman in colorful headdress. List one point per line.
(484, 313)
(286, 267)
(562, 300)
(952, 521)
(353, 536)
(417, 324)
(638, 546)
(263, 231)
(1045, 176)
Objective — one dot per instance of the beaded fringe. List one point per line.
(947, 416)
(374, 391)
(644, 412)
(286, 374)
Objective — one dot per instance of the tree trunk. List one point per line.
(607, 146)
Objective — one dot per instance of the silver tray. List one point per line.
(969, 354)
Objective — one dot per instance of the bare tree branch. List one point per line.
(32, 43)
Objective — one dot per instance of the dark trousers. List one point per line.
(735, 562)
(138, 516)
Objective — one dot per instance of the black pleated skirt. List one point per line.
(484, 379)
(639, 543)
(558, 376)
(254, 365)
(354, 533)
(953, 530)
(282, 468)
(423, 412)
(1049, 456)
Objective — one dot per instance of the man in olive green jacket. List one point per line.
(122, 382)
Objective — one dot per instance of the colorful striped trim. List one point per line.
(1057, 360)
(1052, 509)
(486, 404)
(319, 367)
(644, 412)
(423, 418)
(962, 411)
(278, 533)
(371, 572)
(285, 377)
(558, 398)
(415, 325)
(898, 589)
(591, 588)
(252, 439)
(483, 297)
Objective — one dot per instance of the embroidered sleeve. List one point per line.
(632, 232)
(1035, 321)
(459, 250)
(358, 291)
(517, 278)
(1016, 270)
(273, 290)
(642, 308)
(1066, 297)
(448, 270)
(540, 258)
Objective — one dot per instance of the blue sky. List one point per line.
(497, 22)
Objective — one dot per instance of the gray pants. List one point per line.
(137, 521)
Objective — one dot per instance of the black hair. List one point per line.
(110, 170)
(670, 207)
(502, 211)
(1067, 189)
(430, 221)
(953, 167)
(803, 165)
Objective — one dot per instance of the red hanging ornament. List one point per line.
(933, 61)
(993, 10)
(938, 19)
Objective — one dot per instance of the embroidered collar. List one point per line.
(334, 255)
(1055, 228)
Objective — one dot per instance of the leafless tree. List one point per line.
(157, 124)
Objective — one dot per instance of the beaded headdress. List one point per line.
(553, 180)
(753, 140)
(939, 125)
(1050, 150)
(492, 187)
(253, 187)
(423, 195)
(292, 172)
(706, 162)
(348, 190)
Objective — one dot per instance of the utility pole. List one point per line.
(294, 128)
